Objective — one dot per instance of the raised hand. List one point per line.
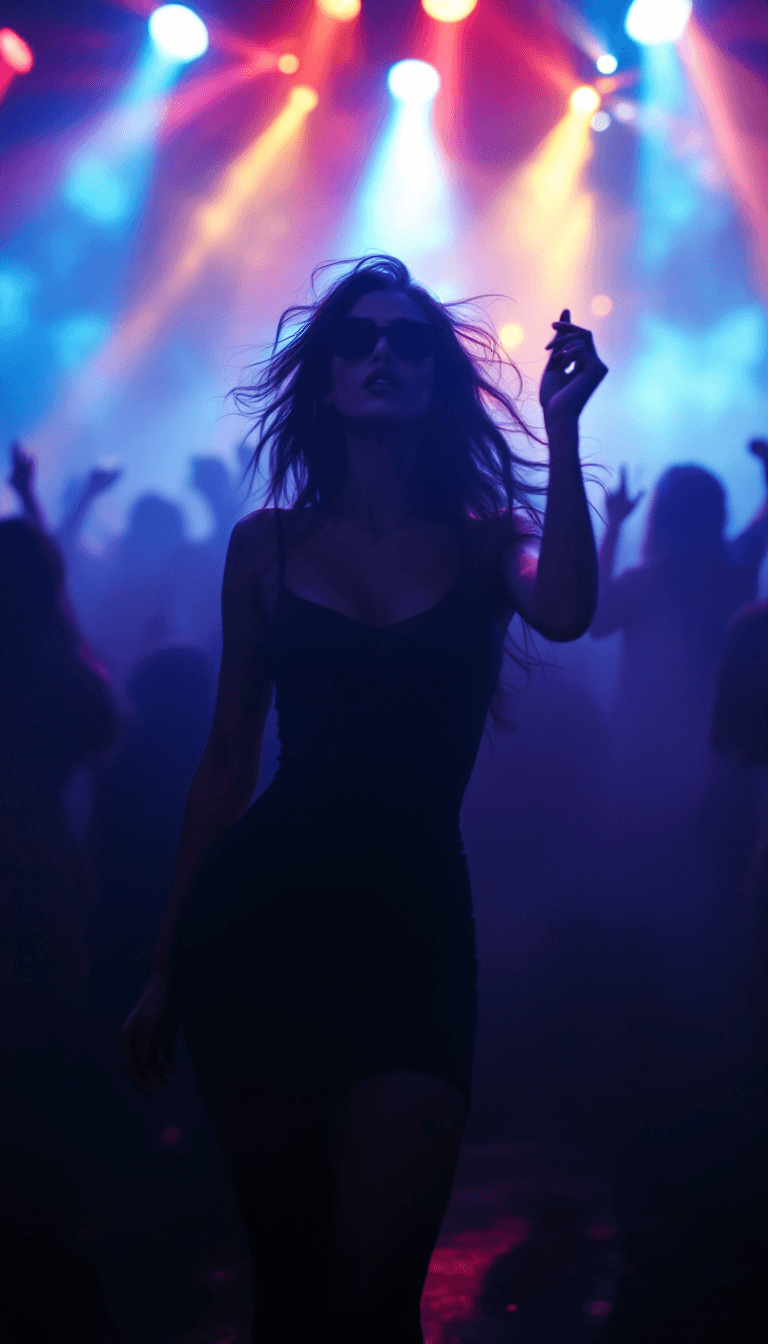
(619, 504)
(573, 372)
(22, 474)
(100, 479)
(760, 449)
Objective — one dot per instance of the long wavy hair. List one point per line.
(467, 467)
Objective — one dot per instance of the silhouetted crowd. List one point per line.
(107, 680)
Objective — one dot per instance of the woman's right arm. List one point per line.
(223, 785)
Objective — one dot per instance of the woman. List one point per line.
(673, 612)
(324, 955)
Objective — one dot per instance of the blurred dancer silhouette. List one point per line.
(142, 602)
(673, 611)
(87, 574)
(56, 714)
(204, 560)
(138, 814)
(320, 945)
(740, 731)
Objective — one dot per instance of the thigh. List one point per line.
(279, 1156)
(397, 1157)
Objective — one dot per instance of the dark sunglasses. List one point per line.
(356, 337)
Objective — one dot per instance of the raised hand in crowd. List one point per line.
(759, 447)
(619, 504)
(22, 480)
(97, 482)
(211, 478)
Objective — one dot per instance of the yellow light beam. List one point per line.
(211, 224)
(548, 211)
(536, 239)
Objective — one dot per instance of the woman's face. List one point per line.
(380, 386)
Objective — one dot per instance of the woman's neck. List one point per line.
(378, 490)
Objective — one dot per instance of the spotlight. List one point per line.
(303, 98)
(585, 99)
(15, 52)
(413, 82)
(601, 305)
(600, 121)
(343, 10)
(288, 64)
(607, 63)
(178, 33)
(448, 11)
(511, 335)
(652, 22)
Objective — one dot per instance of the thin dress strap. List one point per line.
(280, 548)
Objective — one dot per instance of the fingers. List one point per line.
(566, 331)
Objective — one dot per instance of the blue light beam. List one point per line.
(404, 204)
(108, 176)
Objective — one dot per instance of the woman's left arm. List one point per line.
(557, 596)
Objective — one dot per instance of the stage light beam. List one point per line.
(413, 82)
(245, 186)
(607, 64)
(448, 11)
(15, 52)
(342, 10)
(303, 99)
(585, 99)
(404, 205)
(178, 33)
(652, 23)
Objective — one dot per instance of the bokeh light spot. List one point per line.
(607, 63)
(585, 99)
(601, 305)
(623, 110)
(511, 335)
(413, 82)
(653, 22)
(448, 11)
(178, 33)
(17, 286)
(304, 99)
(288, 64)
(170, 1136)
(76, 338)
(600, 121)
(15, 51)
(343, 10)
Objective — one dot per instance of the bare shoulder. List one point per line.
(253, 545)
(251, 571)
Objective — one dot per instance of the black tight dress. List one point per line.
(331, 937)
